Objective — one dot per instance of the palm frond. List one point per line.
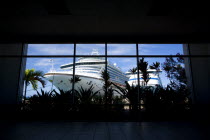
(34, 84)
(41, 80)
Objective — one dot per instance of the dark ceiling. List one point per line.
(103, 20)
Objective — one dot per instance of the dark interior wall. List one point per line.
(49, 21)
(104, 20)
(200, 72)
(10, 75)
(120, 28)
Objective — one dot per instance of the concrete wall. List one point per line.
(10, 75)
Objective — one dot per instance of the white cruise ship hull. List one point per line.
(153, 80)
(62, 81)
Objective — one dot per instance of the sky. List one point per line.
(126, 63)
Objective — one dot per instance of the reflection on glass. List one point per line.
(160, 49)
(50, 49)
(55, 76)
(90, 49)
(121, 49)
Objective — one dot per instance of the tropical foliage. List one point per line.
(107, 88)
(85, 96)
(42, 101)
(63, 100)
(175, 71)
(76, 79)
(172, 98)
(131, 93)
(33, 77)
(143, 68)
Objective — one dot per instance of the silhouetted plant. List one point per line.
(63, 100)
(175, 71)
(145, 74)
(76, 79)
(110, 95)
(156, 66)
(118, 100)
(133, 71)
(129, 92)
(41, 102)
(105, 75)
(32, 77)
(98, 99)
(107, 88)
(85, 96)
(166, 99)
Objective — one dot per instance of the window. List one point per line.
(108, 73)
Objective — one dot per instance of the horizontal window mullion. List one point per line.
(37, 56)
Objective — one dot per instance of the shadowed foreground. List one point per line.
(63, 130)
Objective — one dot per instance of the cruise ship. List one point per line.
(153, 80)
(89, 70)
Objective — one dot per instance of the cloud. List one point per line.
(86, 49)
(48, 61)
(43, 62)
(130, 49)
(125, 68)
(100, 45)
(129, 60)
(121, 49)
(50, 49)
(147, 45)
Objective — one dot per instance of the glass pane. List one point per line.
(165, 84)
(88, 77)
(50, 49)
(120, 71)
(56, 75)
(156, 76)
(163, 71)
(121, 49)
(90, 49)
(160, 49)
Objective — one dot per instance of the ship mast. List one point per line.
(52, 68)
(95, 52)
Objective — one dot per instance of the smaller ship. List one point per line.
(154, 78)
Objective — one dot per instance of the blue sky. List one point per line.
(125, 64)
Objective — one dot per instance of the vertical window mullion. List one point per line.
(137, 61)
(21, 73)
(191, 73)
(106, 70)
(74, 59)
